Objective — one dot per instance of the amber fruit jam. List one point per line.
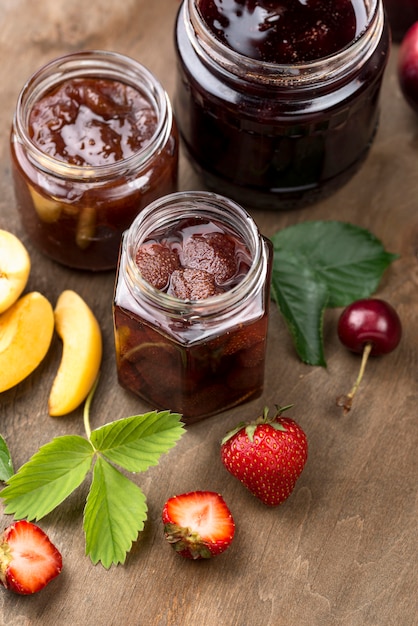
(93, 142)
(203, 350)
(277, 103)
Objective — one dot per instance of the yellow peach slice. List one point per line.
(14, 269)
(86, 227)
(81, 337)
(48, 210)
(26, 331)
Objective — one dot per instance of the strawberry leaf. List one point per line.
(6, 465)
(136, 443)
(48, 477)
(322, 264)
(116, 508)
(115, 513)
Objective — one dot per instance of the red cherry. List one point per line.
(408, 66)
(369, 327)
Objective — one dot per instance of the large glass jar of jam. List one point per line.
(277, 102)
(191, 305)
(93, 141)
(401, 14)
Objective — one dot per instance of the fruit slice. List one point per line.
(28, 559)
(14, 269)
(26, 331)
(48, 210)
(198, 524)
(80, 332)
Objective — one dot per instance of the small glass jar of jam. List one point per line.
(401, 14)
(277, 102)
(93, 141)
(191, 305)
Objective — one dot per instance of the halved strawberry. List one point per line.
(28, 559)
(156, 262)
(213, 252)
(198, 524)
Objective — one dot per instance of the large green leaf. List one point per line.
(115, 513)
(6, 465)
(136, 443)
(321, 264)
(49, 476)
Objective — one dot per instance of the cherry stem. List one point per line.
(347, 401)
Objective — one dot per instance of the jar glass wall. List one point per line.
(194, 356)
(276, 135)
(93, 141)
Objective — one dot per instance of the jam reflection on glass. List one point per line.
(277, 145)
(402, 14)
(90, 123)
(172, 363)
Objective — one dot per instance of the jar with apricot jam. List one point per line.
(93, 141)
(191, 305)
(278, 102)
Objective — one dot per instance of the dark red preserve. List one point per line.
(93, 142)
(277, 102)
(401, 14)
(191, 305)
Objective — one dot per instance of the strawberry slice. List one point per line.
(198, 524)
(28, 559)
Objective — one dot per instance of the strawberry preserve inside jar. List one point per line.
(191, 305)
(93, 141)
(277, 102)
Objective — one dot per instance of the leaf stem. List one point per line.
(86, 412)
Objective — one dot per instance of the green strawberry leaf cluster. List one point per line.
(116, 508)
(319, 265)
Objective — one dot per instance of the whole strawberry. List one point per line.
(28, 559)
(267, 456)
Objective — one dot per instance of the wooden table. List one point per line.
(342, 551)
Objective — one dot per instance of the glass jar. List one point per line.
(276, 135)
(196, 357)
(93, 141)
(401, 14)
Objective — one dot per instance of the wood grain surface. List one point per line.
(342, 551)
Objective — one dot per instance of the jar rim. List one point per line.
(170, 209)
(93, 63)
(295, 74)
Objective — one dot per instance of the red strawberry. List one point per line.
(28, 559)
(267, 456)
(213, 252)
(156, 262)
(198, 524)
(192, 284)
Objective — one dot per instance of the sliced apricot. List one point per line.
(81, 336)
(26, 331)
(14, 269)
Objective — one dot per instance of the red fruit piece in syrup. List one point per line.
(192, 284)
(156, 262)
(212, 252)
